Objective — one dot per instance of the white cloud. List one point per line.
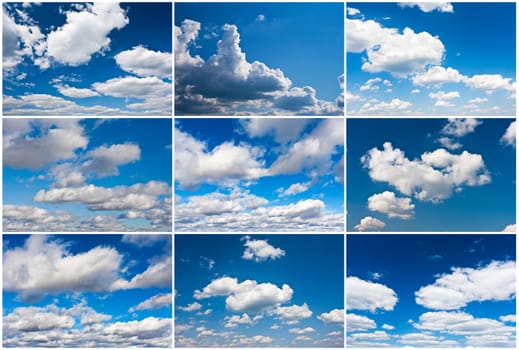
(314, 151)
(355, 323)
(508, 318)
(395, 104)
(352, 11)
(301, 330)
(508, 137)
(148, 328)
(155, 302)
(495, 281)
(294, 313)
(105, 160)
(491, 341)
(129, 86)
(73, 92)
(365, 295)
(33, 319)
(244, 319)
(388, 327)
(429, 6)
(387, 203)
(415, 91)
(85, 33)
(260, 250)
(374, 339)
(510, 228)
(461, 323)
(431, 178)
(294, 189)
(490, 82)
(58, 140)
(334, 316)
(441, 103)
(442, 95)
(370, 223)
(247, 296)
(460, 127)
(43, 266)
(426, 340)
(389, 51)
(437, 75)
(195, 164)
(370, 85)
(478, 100)
(157, 274)
(191, 307)
(145, 62)
(449, 143)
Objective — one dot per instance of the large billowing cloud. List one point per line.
(366, 295)
(228, 83)
(495, 281)
(433, 177)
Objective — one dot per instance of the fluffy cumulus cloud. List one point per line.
(248, 296)
(460, 127)
(195, 163)
(293, 314)
(387, 203)
(145, 62)
(191, 307)
(227, 81)
(433, 177)
(333, 316)
(437, 75)
(370, 223)
(355, 323)
(43, 266)
(366, 295)
(377, 107)
(495, 281)
(508, 137)
(400, 54)
(260, 250)
(281, 129)
(58, 140)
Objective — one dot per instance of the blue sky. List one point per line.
(238, 290)
(87, 291)
(431, 60)
(259, 58)
(87, 175)
(84, 59)
(442, 290)
(259, 174)
(431, 175)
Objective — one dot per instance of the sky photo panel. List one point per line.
(260, 174)
(87, 291)
(431, 290)
(248, 290)
(92, 175)
(431, 58)
(101, 58)
(431, 175)
(259, 58)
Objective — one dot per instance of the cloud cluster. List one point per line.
(432, 178)
(227, 83)
(495, 281)
(248, 296)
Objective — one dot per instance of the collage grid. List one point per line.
(217, 174)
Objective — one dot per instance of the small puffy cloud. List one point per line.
(155, 302)
(460, 127)
(449, 143)
(370, 223)
(437, 75)
(57, 140)
(415, 91)
(352, 11)
(294, 313)
(508, 318)
(508, 228)
(73, 92)
(495, 281)
(490, 82)
(244, 319)
(105, 160)
(191, 307)
(129, 86)
(387, 203)
(355, 323)
(85, 33)
(370, 85)
(145, 63)
(395, 104)
(388, 327)
(442, 95)
(247, 296)
(366, 295)
(442, 103)
(366, 339)
(260, 250)
(429, 6)
(295, 189)
(508, 137)
(334, 316)
(157, 274)
(301, 330)
(433, 177)
(426, 340)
